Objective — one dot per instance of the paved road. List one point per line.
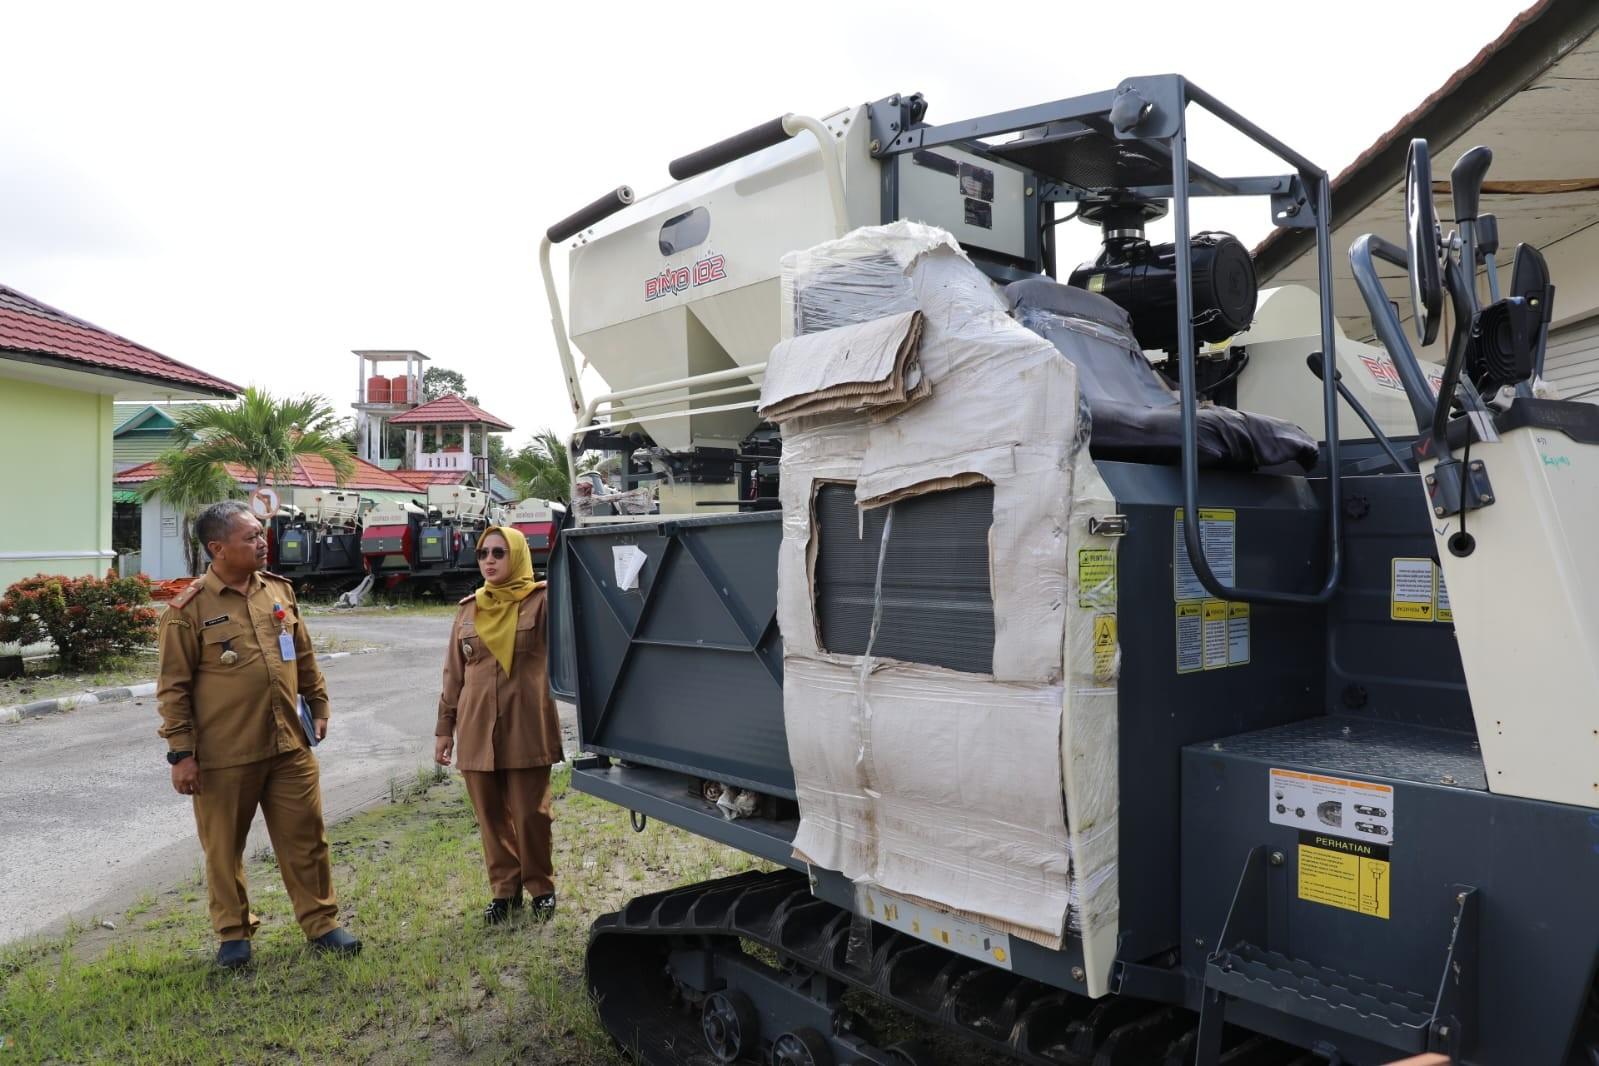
(88, 818)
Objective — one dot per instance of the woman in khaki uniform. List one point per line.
(496, 716)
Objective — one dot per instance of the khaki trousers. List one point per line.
(513, 817)
(287, 789)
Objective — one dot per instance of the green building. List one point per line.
(59, 379)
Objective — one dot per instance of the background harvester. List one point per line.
(316, 540)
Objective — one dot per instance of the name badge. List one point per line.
(286, 647)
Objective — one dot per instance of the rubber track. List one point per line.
(1022, 1019)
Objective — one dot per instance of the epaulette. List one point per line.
(182, 599)
(268, 573)
(464, 600)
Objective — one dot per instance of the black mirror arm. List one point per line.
(1318, 367)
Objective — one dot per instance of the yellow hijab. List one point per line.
(499, 604)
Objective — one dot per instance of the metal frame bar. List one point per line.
(1161, 125)
(1321, 186)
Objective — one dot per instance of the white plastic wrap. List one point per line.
(992, 796)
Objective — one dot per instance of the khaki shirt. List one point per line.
(231, 713)
(499, 722)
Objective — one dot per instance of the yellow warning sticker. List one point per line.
(1218, 536)
(1096, 577)
(1346, 879)
(1214, 633)
(1441, 602)
(1104, 647)
(1412, 596)
(1190, 638)
(1237, 634)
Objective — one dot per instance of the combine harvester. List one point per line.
(1083, 718)
(538, 521)
(316, 541)
(446, 541)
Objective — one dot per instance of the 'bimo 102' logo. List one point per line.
(674, 280)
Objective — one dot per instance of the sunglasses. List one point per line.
(484, 553)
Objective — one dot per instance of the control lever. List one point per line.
(1465, 182)
(1487, 245)
(1315, 362)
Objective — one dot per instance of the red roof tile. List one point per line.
(448, 410)
(26, 325)
(310, 472)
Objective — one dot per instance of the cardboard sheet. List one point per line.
(991, 795)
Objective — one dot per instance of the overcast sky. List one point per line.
(259, 195)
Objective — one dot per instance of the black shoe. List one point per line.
(544, 907)
(498, 912)
(337, 942)
(233, 954)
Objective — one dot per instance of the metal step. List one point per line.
(1348, 1003)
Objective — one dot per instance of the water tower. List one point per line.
(380, 395)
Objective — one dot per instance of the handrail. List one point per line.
(1385, 321)
(574, 389)
(1187, 371)
(586, 417)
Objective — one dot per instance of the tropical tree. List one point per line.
(188, 485)
(265, 435)
(540, 469)
(441, 381)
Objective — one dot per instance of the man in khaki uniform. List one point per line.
(235, 662)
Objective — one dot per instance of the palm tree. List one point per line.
(265, 435)
(187, 486)
(540, 468)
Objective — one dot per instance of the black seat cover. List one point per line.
(1136, 416)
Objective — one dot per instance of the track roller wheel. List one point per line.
(910, 1053)
(731, 1027)
(802, 1047)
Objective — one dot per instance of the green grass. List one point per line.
(41, 683)
(433, 984)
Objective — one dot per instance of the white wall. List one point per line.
(161, 541)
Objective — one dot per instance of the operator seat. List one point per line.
(1136, 416)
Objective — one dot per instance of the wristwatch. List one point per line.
(175, 757)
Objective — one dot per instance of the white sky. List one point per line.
(259, 195)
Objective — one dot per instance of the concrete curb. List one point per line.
(17, 713)
(14, 714)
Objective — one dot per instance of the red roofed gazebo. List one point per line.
(433, 451)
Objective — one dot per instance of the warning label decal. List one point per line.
(1218, 535)
(1212, 635)
(1345, 874)
(1412, 596)
(1104, 647)
(1096, 577)
(1237, 634)
(1441, 604)
(1355, 810)
(1190, 638)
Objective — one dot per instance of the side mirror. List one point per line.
(1422, 244)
